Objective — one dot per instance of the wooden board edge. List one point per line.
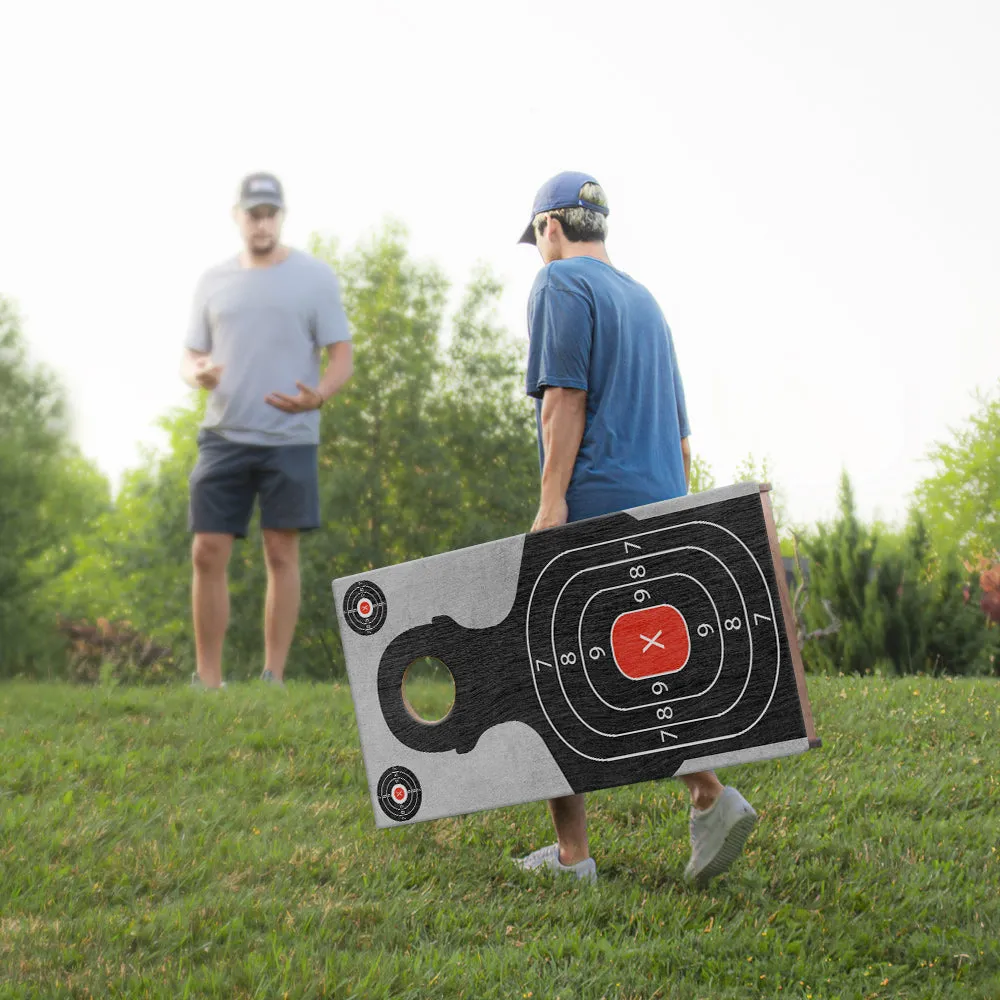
(786, 610)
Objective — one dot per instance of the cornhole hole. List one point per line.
(640, 645)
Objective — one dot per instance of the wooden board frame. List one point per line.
(789, 616)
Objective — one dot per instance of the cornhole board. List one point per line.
(640, 645)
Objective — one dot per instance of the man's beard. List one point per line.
(262, 250)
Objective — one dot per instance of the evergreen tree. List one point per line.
(899, 609)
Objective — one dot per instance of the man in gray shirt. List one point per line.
(259, 324)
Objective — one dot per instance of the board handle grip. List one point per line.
(480, 699)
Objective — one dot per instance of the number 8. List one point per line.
(733, 624)
(637, 572)
(568, 659)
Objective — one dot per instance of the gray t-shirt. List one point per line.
(266, 326)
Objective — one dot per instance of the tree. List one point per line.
(135, 564)
(488, 424)
(961, 500)
(702, 477)
(51, 497)
(898, 607)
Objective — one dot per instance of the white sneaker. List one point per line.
(548, 857)
(196, 681)
(718, 835)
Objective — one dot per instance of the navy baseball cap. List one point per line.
(261, 189)
(561, 191)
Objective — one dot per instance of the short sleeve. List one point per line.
(561, 329)
(330, 324)
(199, 332)
(682, 416)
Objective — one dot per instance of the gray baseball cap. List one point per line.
(261, 189)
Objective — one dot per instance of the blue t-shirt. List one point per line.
(594, 328)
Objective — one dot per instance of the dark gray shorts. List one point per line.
(228, 477)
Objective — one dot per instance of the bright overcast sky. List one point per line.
(810, 190)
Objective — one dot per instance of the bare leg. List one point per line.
(569, 814)
(704, 787)
(281, 553)
(210, 602)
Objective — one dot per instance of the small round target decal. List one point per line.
(365, 607)
(399, 794)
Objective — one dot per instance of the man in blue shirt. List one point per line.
(612, 434)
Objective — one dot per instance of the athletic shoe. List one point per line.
(718, 835)
(548, 857)
(196, 681)
(268, 678)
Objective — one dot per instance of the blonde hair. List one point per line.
(579, 223)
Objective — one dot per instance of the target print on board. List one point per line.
(684, 616)
(365, 607)
(399, 793)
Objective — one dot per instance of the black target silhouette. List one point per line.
(365, 607)
(399, 793)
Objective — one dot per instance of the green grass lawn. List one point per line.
(176, 843)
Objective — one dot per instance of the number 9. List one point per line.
(704, 629)
(641, 596)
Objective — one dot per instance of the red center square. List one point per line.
(650, 642)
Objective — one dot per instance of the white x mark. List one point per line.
(652, 642)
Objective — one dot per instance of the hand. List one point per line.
(206, 373)
(306, 399)
(551, 515)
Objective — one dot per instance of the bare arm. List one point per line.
(198, 371)
(339, 368)
(686, 453)
(564, 416)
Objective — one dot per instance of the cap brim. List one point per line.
(528, 236)
(261, 200)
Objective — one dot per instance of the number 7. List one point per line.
(756, 616)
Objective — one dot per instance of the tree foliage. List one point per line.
(51, 497)
(702, 477)
(961, 500)
(900, 609)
